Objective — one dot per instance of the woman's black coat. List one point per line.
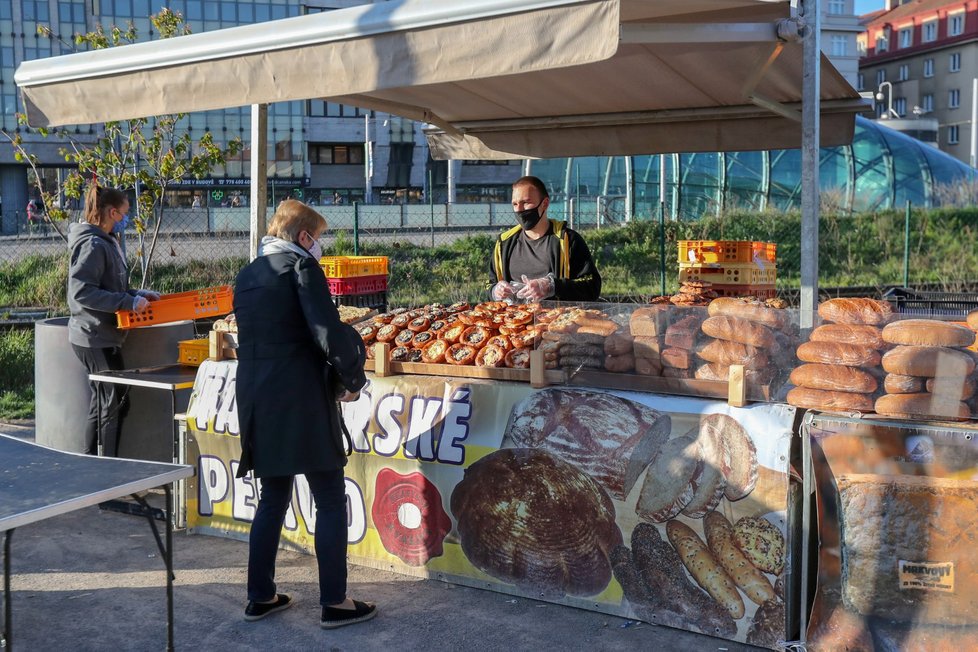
(294, 356)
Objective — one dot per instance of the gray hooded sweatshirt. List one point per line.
(98, 285)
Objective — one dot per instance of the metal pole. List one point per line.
(356, 228)
(906, 248)
(450, 198)
(368, 162)
(431, 208)
(259, 177)
(629, 189)
(810, 139)
(662, 224)
(974, 122)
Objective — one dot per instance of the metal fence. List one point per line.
(189, 234)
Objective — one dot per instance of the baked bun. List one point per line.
(857, 334)
(581, 426)
(528, 518)
(920, 405)
(856, 311)
(820, 399)
(927, 361)
(833, 377)
(761, 542)
(900, 384)
(928, 332)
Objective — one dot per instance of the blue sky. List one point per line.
(866, 6)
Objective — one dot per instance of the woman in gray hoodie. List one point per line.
(98, 285)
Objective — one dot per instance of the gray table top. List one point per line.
(171, 377)
(37, 482)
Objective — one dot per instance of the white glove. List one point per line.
(149, 294)
(140, 304)
(502, 291)
(348, 396)
(536, 289)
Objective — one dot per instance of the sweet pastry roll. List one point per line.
(387, 332)
(404, 338)
(453, 332)
(490, 356)
(368, 332)
(400, 354)
(475, 336)
(502, 341)
(460, 354)
(434, 351)
(419, 324)
(518, 358)
(421, 339)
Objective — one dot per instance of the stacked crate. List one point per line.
(735, 268)
(359, 281)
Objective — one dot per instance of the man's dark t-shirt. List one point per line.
(530, 257)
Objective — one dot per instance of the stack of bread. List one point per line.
(741, 331)
(680, 342)
(930, 372)
(840, 362)
(647, 327)
(579, 338)
(693, 293)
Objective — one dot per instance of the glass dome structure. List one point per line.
(881, 169)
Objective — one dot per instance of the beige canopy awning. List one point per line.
(496, 78)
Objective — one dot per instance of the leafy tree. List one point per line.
(144, 155)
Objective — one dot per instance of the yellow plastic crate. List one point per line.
(192, 352)
(730, 273)
(347, 266)
(727, 251)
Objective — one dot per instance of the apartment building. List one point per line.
(921, 59)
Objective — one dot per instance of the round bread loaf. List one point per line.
(820, 399)
(833, 377)
(728, 353)
(856, 311)
(920, 405)
(951, 388)
(857, 334)
(900, 384)
(928, 332)
(747, 309)
(741, 472)
(668, 485)
(850, 355)
(507, 507)
(738, 329)
(972, 320)
(927, 361)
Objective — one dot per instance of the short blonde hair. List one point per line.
(292, 217)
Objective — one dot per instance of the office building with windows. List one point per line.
(921, 59)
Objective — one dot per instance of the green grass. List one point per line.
(16, 374)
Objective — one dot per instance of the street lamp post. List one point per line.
(889, 104)
(368, 162)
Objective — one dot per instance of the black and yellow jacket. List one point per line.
(575, 276)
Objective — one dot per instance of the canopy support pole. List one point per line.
(810, 109)
(259, 176)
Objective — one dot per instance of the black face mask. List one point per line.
(528, 218)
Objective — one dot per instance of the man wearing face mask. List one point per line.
(540, 258)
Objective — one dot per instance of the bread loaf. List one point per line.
(602, 327)
(927, 332)
(747, 309)
(727, 353)
(899, 530)
(720, 538)
(972, 320)
(927, 361)
(618, 344)
(667, 487)
(682, 334)
(900, 384)
(850, 355)
(736, 329)
(856, 311)
(856, 334)
(921, 405)
(820, 399)
(649, 322)
(677, 358)
(581, 427)
(951, 388)
(737, 451)
(648, 347)
(697, 559)
(619, 363)
(721, 373)
(833, 377)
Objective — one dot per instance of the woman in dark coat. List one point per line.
(296, 359)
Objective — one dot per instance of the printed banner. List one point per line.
(667, 509)
(898, 531)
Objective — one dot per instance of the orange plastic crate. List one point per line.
(193, 352)
(197, 304)
(346, 266)
(740, 290)
(736, 273)
(726, 251)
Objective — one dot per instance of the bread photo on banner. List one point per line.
(840, 363)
